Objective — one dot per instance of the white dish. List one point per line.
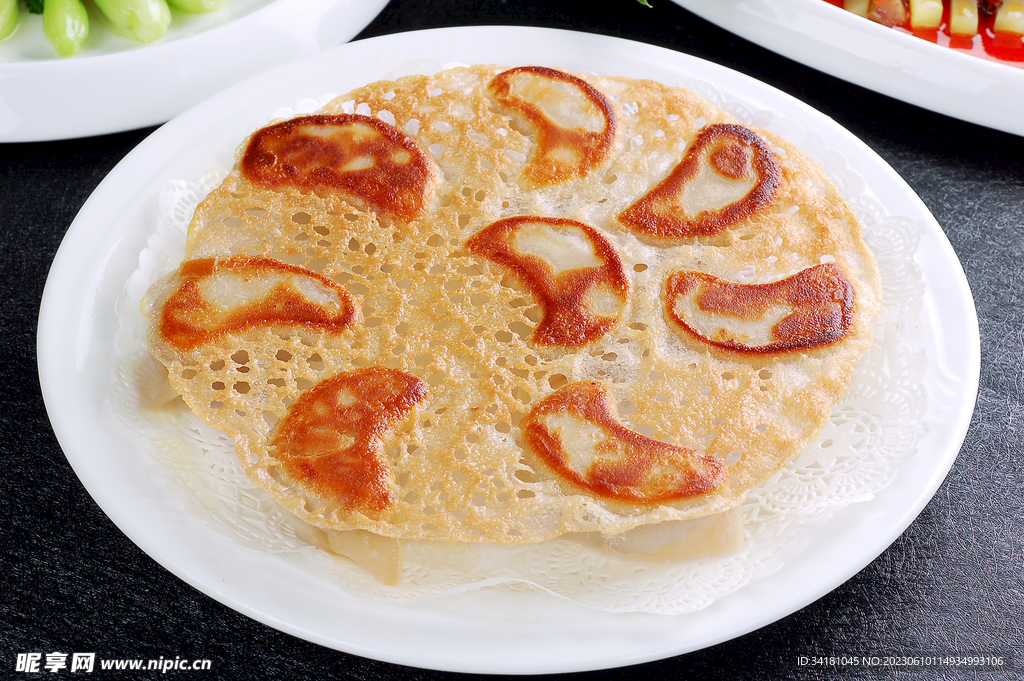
(485, 630)
(116, 84)
(830, 39)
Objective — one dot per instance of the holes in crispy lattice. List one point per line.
(557, 381)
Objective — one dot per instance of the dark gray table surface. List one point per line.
(951, 584)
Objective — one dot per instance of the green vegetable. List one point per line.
(9, 16)
(66, 24)
(196, 6)
(143, 20)
(645, 3)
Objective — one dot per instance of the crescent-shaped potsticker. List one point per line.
(364, 159)
(331, 439)
(573, 125)
(812, 308)
(728, 174)
(576, 433)
(214, 297)
(572, 270)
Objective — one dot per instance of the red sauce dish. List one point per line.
(998, 46)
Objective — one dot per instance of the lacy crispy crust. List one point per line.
(513, 360)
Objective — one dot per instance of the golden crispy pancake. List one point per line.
(562, 303)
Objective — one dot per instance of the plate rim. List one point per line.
(86, 95)
(67, 265)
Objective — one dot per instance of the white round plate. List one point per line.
(830, 39)
(486, 630)
(117, 84)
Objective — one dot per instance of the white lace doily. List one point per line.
(873, 429)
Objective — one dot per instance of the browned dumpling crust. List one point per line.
(573, 123)
(214, 298)
(727, 175)
(810, 309)
(331, 441)
(362, 158)
(570, 268)
(576, 433)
